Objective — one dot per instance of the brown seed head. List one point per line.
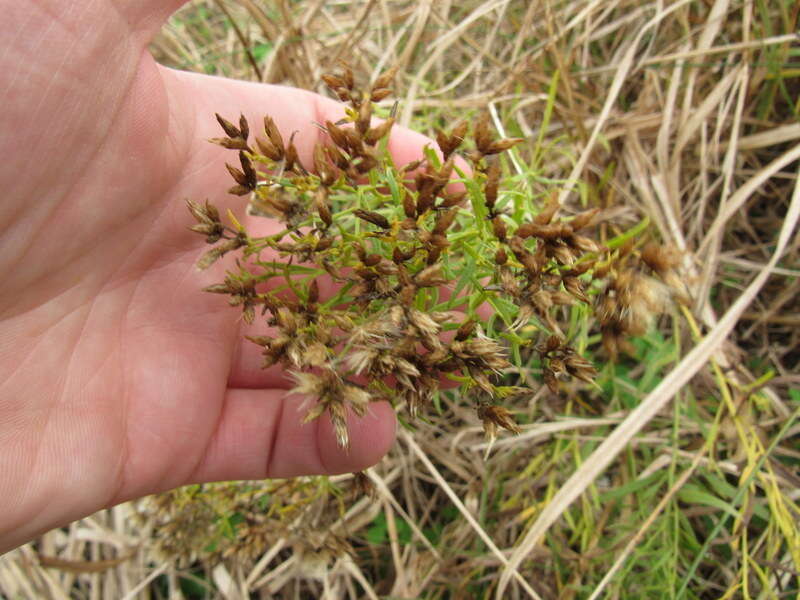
(244, 128)
(573, 286)
(500, 257)
(292, 159)
(364, 117)
(430, 276)
(230, 143)
(550, 380)
(482, 134)
(372, 217)
(237, 175)
(444, 220)
(466, 329)
(321, 205)
(269, 150)
(660, 260)
(273, 133)
(496, 416)
(549, 211)
(492, 185)
(452, 198)
(400, 256)
(333, 82)
(337, 134)
(323, 168)
(379, 94)
(385, 79)
(584, 219)
(499, 228)
(377, 133)
(248, 170)
(347, 75)
(502, 145)
(228, 127)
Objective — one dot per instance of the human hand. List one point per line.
(118, 378)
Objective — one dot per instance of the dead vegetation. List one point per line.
(677, 476)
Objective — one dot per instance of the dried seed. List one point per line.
(438, 240)
(550, 380)
(313, 292)
(228, 127)
(321, 205)
(370, 260)
(433, 255)
(409, 167)
(500, 257)
(503, 145)
(443, 140)
(482, 134)
(399, 256)
(552, 231)
(230, 143)
(552, 344)
(459, 131)
(333, 82)
(385, 78)
(430, 276)
(248, 170)
(496, 416)
(561, 298)
(452, 198)
(244, 127)
(364, 117)
(269, 150)
(542, 301)
(386, 267)
(292, 159)
(409, 205)
(491, 186)
(660, 260)
(499, 228)
(465, 330)
(574, 287)
(324, 169)
(425, 201)
(237, 175)
(323, 244)
(379, 94)
(273, 133)
(217, 252)
(239, 190)
(584, 219)
(548, 212)
(584, 243)
(377, 133)
(336, 134)
(444, 220)
(365, 163)
(372, 217)
(344, 94)
(347, 75)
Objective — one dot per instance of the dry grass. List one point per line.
(679, 477)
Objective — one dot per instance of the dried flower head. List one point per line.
(333, 395)
(360, 287)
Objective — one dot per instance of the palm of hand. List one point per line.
(119, 378)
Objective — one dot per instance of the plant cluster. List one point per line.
(238, 521)
(388, 280)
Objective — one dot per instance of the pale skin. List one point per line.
(118, 377)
